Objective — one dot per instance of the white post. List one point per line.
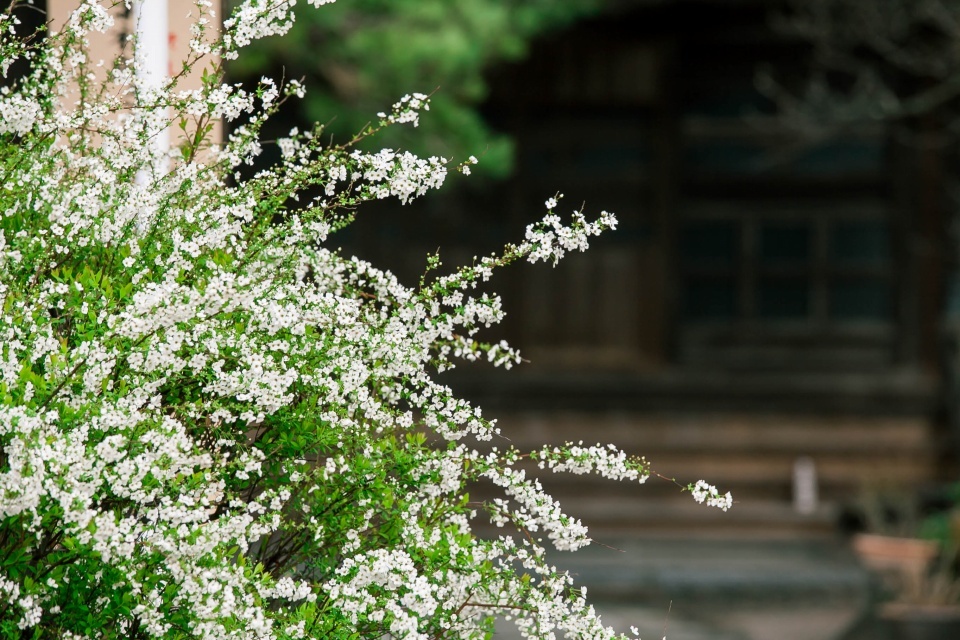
(805, 498)
(151, 25)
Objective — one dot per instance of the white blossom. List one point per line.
(213, 423)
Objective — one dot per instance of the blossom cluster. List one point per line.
(705, 492)
(213, 424)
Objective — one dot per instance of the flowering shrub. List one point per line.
(213, 425)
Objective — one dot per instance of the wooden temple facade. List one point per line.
(770, 304)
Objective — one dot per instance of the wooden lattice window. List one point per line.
(816, 278)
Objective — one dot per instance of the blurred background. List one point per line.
(778, 313)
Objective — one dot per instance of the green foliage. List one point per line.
(359, 56)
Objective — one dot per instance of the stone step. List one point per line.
(755, 454)
(749, 475)
(832, 472)
(752, 456)
(697, 588)
(663, 515)
(619, 516)
(717, 569)
(720, 433)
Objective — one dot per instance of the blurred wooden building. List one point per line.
(768, 301)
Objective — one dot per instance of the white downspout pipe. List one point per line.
(151, 25)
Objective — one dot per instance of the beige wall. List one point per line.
(107, 46)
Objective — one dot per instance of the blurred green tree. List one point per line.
(359, 57)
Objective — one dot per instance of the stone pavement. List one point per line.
(703, 588)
